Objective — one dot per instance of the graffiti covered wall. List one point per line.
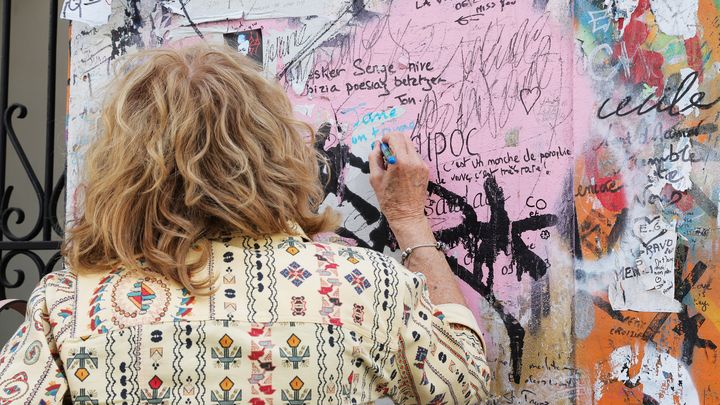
(572, 152)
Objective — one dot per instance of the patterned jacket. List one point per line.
(293, 322)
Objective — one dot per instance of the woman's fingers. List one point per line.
(376, 163)
(396, 141)
(412, 152)
(401, 188)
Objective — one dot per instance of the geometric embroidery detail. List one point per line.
(295, 355)
(298, 306)
(420, 357)
(155, 396)
(82, 373)
(83, 398)
(32, 353)
(184, 307)
(295, 398)
(96, 321)
(226, 356)
(141, 296)
(84, 361)
(225, 396)
(292, 245)
(358, 313)
(358, 281)
(295, 273)
(352, 256)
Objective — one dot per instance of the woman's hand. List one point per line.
(401, 189)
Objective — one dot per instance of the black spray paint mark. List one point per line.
(483, 241)
(688, 326)
(190, 21)
(336, 159)
(127, 35)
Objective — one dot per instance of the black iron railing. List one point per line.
(47, 231)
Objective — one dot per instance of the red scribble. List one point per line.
(646, 66)
(694, 55)
(613, 201)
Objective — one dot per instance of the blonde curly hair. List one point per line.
(196, 144)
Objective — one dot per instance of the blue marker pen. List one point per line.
(387, 153)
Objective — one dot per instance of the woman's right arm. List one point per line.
(442, 354)
(401, 190)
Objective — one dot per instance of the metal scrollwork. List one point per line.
(5, 209)
(47, 231)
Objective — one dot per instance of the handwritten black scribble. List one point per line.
(465, 20)
(529, 97)
(355, 8)
(484, 240)
(677, 94)
(648, 221)
(496, 61)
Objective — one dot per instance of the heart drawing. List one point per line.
(648, 229)
(529, 97)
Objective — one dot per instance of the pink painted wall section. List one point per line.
(583, 229)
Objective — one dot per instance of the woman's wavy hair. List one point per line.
(195, 144)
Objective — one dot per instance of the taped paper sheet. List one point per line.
(621, 8)
(676, 17)
(673, 167)
(649, 285)
(91, 12)
(197, 11)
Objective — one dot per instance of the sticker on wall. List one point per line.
(650, 284)
(248, 43)
(91, 12)
(202, 11)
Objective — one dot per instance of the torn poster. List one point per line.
(196, 11)
(676, 17)
(672, 168)
(248, 43)
(648, 285)
(91, 12)
(621, 8)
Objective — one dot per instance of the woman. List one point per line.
(192, 276)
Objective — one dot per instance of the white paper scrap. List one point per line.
(675, 17)
(201, 11)
(673, 167)
(621, 8)
(649, 285)
(91, 12)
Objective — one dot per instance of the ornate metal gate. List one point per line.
(47, 231)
